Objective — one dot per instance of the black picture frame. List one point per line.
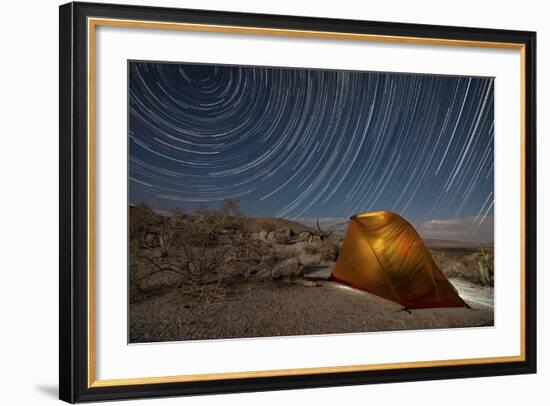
(74, 385)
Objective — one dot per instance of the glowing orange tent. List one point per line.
(383, 254)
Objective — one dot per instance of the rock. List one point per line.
(309, 284)
(303, 236)
(329, 251)
(288, 269)
(309, 259)
(282, 235)
(257, 271)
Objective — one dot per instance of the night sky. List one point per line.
(307, 143)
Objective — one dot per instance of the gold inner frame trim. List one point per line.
(299, 371)
(94, 22)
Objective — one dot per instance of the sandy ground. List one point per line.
(263, 309)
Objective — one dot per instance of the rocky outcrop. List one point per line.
(213, 248)
(289, 269)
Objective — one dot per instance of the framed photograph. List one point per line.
(256, 202)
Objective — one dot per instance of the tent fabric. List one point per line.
(383, 254)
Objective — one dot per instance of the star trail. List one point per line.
(310, 143)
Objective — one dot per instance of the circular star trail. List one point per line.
(306, 143)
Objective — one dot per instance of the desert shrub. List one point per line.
(290, 269)
(472, 266)
(142, 216)
(200, 254)
(485, 266)
(329, 250)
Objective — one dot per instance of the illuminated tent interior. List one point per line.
(383, 254)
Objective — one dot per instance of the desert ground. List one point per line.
(220, 275)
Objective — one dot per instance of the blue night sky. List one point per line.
(308, 143)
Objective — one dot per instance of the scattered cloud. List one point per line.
(469, 229)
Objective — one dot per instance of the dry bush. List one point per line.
(203, 253)
(472, 266)
(194, 253)
(486, 267)
(329, 250)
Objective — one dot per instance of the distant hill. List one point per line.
(253, 224)
(436, 243)
(256, 224)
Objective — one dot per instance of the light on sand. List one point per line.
(348, 288)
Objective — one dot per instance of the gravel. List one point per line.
(267, 309)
